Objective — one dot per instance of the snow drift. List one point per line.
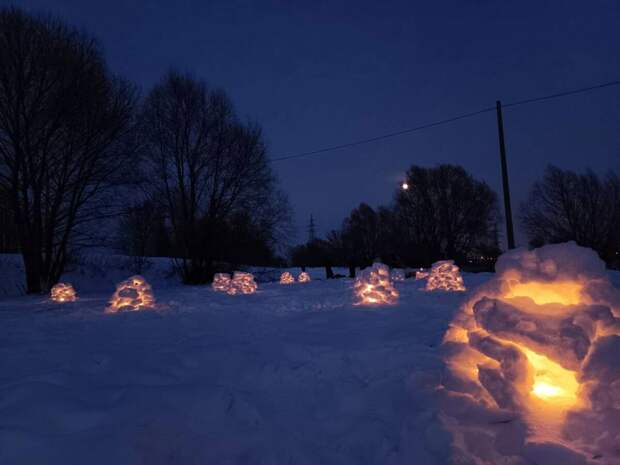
(532, 358)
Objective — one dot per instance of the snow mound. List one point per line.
(532, 358)
(445, 276)
(373, 286)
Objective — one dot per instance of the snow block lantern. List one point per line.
(63, 292)
(221, 282)
(445, 276)
(421, 275)
(398, 275)
(286, 278)
(532, 357)
(373, 286)
(131, 295)
(242, 283)
(303, 277)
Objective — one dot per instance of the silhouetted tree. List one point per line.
(207, 167)
(65, 138)
(361, 235)
(583, 208)
(445, 214)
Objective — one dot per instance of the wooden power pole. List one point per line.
(510, 235)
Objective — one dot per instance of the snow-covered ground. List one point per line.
(290, 375)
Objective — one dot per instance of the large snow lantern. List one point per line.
(303, 277)
(221, 282)
(533, 363)
(242, 283)
(63, 292)
(131, 295)
(286, 278)
(398, 275)
(445, 276)
(373, 286)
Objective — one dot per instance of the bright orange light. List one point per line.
(374, 286)
(303, 277)
(563, 292)
(445, 276)
(552, 383)
(286, 278)
(63, 292)
(131, 295)
(221, 282)
(242, 283)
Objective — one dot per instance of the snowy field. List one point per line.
(289, 375)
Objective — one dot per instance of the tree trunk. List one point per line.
(329, 273)
(32, 265)
(351, 271)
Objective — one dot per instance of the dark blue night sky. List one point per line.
(320, 73)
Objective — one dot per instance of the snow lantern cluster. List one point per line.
(398, 275)
(221, 282)
(131, 295)
(533, 372)
(63, 292)
(445, 276)
(374, 286)
(303, 277)
(286, 278)
(242, 283)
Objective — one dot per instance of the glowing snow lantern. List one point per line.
(242, 283)
(286, 278)
(131, 295)
(63, 292)
(534, 354)
(221, 282)
(421, 274)
(445, 276)
(303, 277)
(373, 286)
(398, 275)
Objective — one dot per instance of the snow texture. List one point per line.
(568, 316)
(444, 276)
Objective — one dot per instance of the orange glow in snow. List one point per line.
(565, 292)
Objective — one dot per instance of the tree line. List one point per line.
(189, 179)
(447, 214)
(80, 147)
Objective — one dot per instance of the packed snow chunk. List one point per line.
(131, 295)
(536, 348)
(421, 275)
(398, 275)
(373, 286)
(303, 277)
(242, 283)
(286, 278)
(63, 292)
(445, 276)
(221, 282)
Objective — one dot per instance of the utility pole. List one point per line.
(311, 230)
(510, 235)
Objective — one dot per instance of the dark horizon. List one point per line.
(322, 75)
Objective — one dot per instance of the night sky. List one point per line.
(320, 73)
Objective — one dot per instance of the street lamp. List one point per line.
(404, 186)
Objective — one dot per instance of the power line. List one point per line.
(445, 121)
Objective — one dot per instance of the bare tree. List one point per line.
(207, 166)
(445, 213)
(583, 208)
(65, 137)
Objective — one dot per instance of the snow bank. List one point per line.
(532, 359)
